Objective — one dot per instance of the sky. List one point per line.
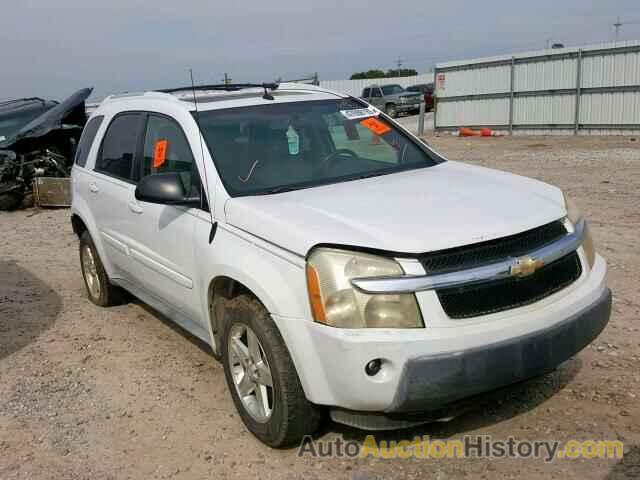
(52, 48)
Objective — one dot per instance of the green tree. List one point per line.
(368, 74)
(401, 72)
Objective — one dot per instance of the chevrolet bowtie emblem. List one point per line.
(525, 266)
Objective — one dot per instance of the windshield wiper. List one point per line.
(280, 189)
(368, 175)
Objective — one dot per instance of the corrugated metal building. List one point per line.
(587, 90)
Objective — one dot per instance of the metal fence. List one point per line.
(355, 87)
(589, 90)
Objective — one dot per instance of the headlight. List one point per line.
(575, 215)
(335, 302)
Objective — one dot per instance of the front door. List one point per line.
(162, 238)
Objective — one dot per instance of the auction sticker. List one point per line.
(378, 127)
(359, 113)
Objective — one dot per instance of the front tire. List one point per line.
(99, 289)
(390, 110)
(261, 376)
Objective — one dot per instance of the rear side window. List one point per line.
(86, 139)
(375, 92)
(119, 147)
(366, 93)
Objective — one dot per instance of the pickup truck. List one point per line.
(392, 99)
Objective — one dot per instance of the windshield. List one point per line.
(287, 146)
(392, 89)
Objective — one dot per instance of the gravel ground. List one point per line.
(121, 393)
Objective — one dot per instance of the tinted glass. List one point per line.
(272, 148)
(376, 92)
(86, 139)
(366, 92)
(166, 150)
(119, 146)
(392, 89)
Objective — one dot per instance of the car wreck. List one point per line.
(37, 139)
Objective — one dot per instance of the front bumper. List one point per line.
(432, 381)
(407, 107)
(331, 361)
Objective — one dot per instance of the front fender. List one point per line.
(276, 277)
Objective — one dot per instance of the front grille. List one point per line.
(478, 254)
(499, 295)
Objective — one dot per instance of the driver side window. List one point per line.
(166, 150)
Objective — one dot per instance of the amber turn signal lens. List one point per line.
(315, 297)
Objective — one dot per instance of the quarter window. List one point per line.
(166, 150)
(119, 147)
(86, 139)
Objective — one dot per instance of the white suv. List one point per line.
(333, 261)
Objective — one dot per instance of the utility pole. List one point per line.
(226, 79)
(617, 26)
(399, 63)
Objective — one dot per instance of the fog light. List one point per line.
(373, 367)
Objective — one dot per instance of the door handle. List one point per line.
(135, 208)
(93, 188)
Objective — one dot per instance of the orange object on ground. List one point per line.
(484, 132)
(467, 132)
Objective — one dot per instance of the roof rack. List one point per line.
(228, 87)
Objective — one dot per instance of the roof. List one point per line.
(216, 98)
(541, 53)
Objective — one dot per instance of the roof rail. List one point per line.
(228, 87)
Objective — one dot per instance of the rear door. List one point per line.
(110, 188)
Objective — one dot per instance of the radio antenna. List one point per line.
(214, 224)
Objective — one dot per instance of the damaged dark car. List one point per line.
(38, 138)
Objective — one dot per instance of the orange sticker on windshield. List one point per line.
(378, 127)
(160, 153)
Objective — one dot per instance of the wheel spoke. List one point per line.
(245, 386)
(240, 351)
(250, 372)
(264, 374)
(263, 400)
(254, 346)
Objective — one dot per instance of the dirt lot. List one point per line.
(121, 393)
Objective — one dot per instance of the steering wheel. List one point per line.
(333, 156)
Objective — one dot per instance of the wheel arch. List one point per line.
(226, 287)
(78, 225)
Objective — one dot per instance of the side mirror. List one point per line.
(165, 189)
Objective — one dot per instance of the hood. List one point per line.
(70, 111)
(444, 206)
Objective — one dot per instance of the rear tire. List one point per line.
(99, 289)
(287, 415)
